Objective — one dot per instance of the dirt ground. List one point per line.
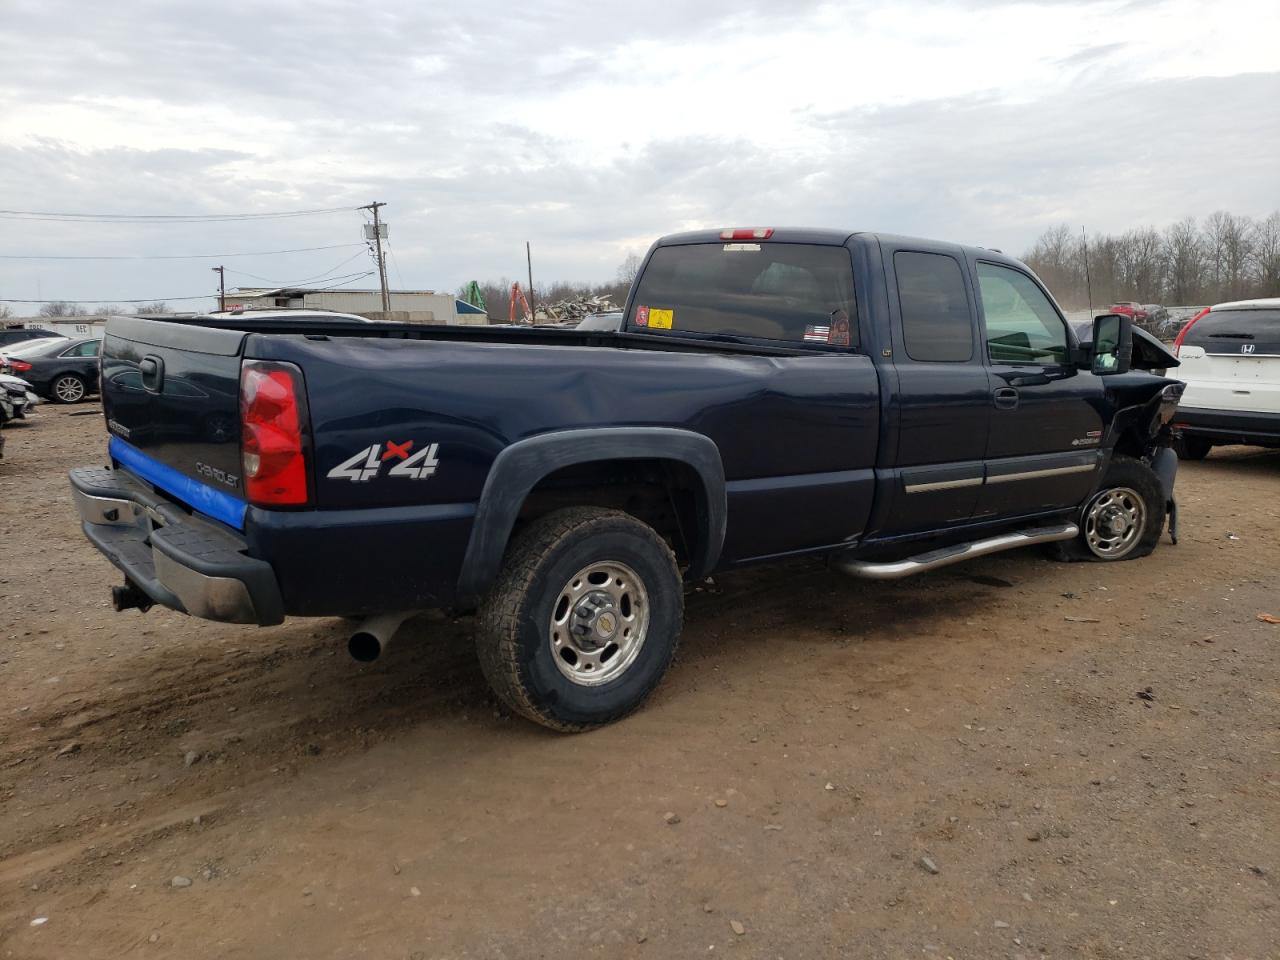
(1088, 756)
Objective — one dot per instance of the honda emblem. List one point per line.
(1247, 347)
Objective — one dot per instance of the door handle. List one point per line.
(151, 370)
(1005, 398)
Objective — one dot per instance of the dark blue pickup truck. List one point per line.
(889, 403)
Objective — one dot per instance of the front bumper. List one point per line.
(175, 558)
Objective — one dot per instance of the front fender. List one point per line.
(520, 466)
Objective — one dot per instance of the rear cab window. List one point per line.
(795, 292)
(1237, 331)
(936, 324)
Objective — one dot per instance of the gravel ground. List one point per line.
(1012, 758)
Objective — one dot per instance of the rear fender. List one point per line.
(519, 468)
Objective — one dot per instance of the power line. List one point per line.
(164, 217)
(183, 256)
(203, 296)
(316, 280)
(294, 283)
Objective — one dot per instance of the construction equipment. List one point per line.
(518, 294)
(473, 296)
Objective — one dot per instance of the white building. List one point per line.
(407, 306)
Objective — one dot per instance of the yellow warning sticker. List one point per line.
(661, 319)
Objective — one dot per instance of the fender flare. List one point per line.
(522, 465)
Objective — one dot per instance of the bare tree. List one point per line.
(158, 307)
(1185, 261)
(62, 308)
(629, 269)
(1266, 256)
(5, 311)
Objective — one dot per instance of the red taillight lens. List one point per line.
(1182, 334)
(17, 366)
(272, 450)
(747, 233)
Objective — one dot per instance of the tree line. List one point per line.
(1224, 257)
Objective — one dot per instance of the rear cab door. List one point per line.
(941, 411)
(1048, 416)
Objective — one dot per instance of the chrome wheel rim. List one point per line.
(598, 623)
(1114, 521)
(69, 389)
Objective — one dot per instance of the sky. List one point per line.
(590, 129)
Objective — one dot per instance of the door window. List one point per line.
(935, 311)
(1022, 325)
(87, 349)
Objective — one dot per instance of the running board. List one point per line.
(949, 555)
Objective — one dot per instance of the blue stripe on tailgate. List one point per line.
(204, 498)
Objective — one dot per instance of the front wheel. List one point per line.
(1123, 519)
(68, 388)
(583, 620)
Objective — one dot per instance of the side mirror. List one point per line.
(1112, 344)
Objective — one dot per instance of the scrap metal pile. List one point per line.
(574, 309)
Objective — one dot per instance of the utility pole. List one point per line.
(222, 288)
(528, 253)
(378, 227)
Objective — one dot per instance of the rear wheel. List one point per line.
(584, 619)
(1192, 448)
(1123, 519)
(68, 388)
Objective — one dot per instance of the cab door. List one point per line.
(942, 404)
(1047, 415)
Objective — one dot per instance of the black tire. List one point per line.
(1192, 448)
(1124, 474)
(68, 388)
(514, 627)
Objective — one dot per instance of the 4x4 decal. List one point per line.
(367, 464)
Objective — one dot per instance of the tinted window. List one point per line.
(1022, 325)
(935, 311)
(1226, 331)
(774, 291)
(87, 349)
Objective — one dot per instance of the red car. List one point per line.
(1129, 308)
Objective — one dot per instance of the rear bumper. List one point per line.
(1229, 426)
(176, 559)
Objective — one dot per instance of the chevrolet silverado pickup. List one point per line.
(889, 404)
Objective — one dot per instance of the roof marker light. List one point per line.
(747, 233)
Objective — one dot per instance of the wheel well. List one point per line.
(668, 495)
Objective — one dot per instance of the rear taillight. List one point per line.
(272, 442)
(1182, 334)
(17, 366)
(748, 233)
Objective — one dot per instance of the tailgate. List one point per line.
(171, 395)
(1231, 360)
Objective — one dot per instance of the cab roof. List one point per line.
(826, 236)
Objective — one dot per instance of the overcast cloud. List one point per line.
(591, 129)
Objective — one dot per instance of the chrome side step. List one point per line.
(949, 555)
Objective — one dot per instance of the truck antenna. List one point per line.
(1088, 285)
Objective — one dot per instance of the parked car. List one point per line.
(270, 316)
(890, 404)
(609, 320)
(1230, 356)
(12, 336)
(19, 393)
(1131, 309)
(64, 370)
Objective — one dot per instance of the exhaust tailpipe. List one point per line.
(372, 636)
